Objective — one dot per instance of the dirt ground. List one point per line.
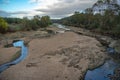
(64, 56)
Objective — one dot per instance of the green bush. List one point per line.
(3, 25)
(36, 22)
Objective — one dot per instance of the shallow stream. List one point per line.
(24, 51)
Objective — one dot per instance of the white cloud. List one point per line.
(54, 8)
(22, 14)
(62, 8)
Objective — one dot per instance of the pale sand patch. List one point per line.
(61, 57)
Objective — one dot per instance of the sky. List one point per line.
(56, 9)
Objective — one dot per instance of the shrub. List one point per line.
(45, 21)
(116, 31)
(3, 25)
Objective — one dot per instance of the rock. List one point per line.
(103, 41)
(31, 65)
(116, 45)
(112, 44)
(50, 31)
(60, 31)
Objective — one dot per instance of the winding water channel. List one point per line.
(24, 51)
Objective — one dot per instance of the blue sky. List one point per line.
(16, 5)
(53, 8)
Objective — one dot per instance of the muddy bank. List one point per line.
(64, 56)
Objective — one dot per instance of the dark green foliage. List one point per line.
(107, 24)
(13, 20)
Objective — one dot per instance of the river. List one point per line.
(100, 73)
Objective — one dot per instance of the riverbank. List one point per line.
(60, 57)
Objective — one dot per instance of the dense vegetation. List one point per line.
(107, 24)
(17, 24)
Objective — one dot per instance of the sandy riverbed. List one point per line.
(6, 54)
(64, 56)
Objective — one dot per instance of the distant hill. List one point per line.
(102, 5)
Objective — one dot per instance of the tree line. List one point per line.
(15, 24)
(107, 24)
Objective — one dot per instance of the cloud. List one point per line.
(4, 13)
(20, 12)
(53, 8)
(65, 7)
(34, 1)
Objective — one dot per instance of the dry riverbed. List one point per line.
(64, 56)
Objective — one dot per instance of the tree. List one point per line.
(45, 21)
(36, 19)
(108, 19)
(3, 25)
(25, 24)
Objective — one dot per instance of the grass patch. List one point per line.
(8, 45)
